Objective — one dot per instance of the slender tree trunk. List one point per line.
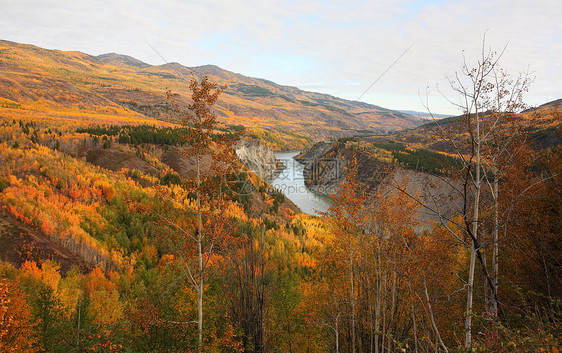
(415, 327)
(261, 301)
(378, 314)
(78, 330)
(475, 220)
(352, 295)
(495, 254)
(383, 294)
(392, 306)
(337, 334)
(371, 341)
(199, 260)
(438, 339)
(470, 293)
(378, 298)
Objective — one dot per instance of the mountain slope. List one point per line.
(541, 123)
(114, 84)
(423, 148)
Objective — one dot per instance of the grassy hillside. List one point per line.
(122, 88)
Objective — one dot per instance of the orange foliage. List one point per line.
(96, 280)
(16, 327)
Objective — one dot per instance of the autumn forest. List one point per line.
(130, 223)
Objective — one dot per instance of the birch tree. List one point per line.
(484, 139)
(213, 156)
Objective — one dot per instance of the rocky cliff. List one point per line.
(254, 154)
(326, 163)
(257, 156)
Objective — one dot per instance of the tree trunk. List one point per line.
(383, 294)
(370, 303)
(393, 305)
(438, 339)
(495, 254)
(337, 335)
(352, 295)
(378, 298)
(199, 260)
(475, 220)
(470, 291)
(415, 327)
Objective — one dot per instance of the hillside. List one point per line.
(425, 158)
(124, 88)
(121, 231)
(424, 147)
(540, 123)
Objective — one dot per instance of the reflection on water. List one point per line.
(291, 182)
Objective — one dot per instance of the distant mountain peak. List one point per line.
(209, 66)
(554, 102)
(122, 59)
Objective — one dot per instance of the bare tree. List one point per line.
(490, 99)
(484, 139)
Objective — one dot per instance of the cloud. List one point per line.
(336, 47)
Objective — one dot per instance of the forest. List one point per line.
(170, 264)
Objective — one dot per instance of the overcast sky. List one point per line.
(334, 47)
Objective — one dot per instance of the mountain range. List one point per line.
(122, 86)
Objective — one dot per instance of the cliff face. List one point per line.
(257, 156)
(325, 165)
(314, 152)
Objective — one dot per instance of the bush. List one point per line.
(170, 178)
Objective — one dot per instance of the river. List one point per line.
(291, 182)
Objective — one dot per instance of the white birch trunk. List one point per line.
(475, 220)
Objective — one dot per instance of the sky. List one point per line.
(407, 48)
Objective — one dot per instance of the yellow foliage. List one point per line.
(50, 275)
(105, 307)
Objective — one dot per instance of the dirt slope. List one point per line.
(20, 243)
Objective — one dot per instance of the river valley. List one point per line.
(290, 181)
